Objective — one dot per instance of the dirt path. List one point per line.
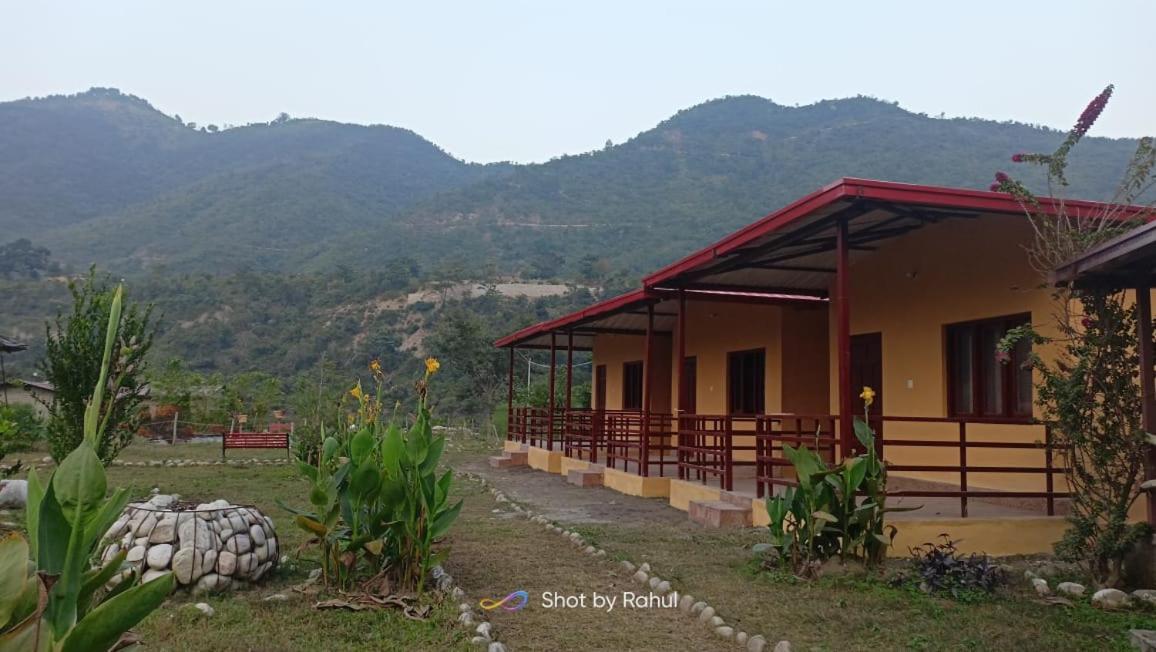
(498, 552)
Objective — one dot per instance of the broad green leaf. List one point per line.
(429, 465)
(418, 444)
(53, 534)
(307, 470)
(366, 480)
(13, 574)
(392, 451)
(80, 484)
(864, 434)
(329, 449)
(318, 496)
(106, 516)
(375, 546)
(97, 578)
(32, 510)
(360, 446)
(105, 624)
(311, 525)
(444, 520)
(824, 516)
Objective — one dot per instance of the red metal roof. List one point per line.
(888, 191)
(815, 207)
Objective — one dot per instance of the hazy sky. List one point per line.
(526, 81)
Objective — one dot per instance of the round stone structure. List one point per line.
(209, 547)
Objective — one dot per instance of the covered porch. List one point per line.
(766, 338)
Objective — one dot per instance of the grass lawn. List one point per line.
(494, 552)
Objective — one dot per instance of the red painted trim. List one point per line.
(601, 308)
(843, 340)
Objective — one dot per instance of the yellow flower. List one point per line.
(375, 366)
(431, 366)
(356, 392)
(868, 396)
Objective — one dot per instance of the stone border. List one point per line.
(642, 574)
(483, 629)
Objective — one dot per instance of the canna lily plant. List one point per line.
(378, 503)
(837, 511)
(50, 598)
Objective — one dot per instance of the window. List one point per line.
(632, 386)
(746, 382)
(978, 384)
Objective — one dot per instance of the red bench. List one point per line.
(276, 437)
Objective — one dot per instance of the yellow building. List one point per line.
(767, 337)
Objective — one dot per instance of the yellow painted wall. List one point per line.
(909, 290)
(615, 350)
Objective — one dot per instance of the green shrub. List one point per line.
(833, 512)
(26, 427)
(50, 599)
(378, 502)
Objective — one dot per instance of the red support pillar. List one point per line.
(550, 400)
(569, 369)
(510, 395)
(843, 340)
(683, 388)
(1148, 401)
(647, 376)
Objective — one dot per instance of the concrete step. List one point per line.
(508, 460)
(737, 499)
(584, 477)
(519, 457)
(719, 514)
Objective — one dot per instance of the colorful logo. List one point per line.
(516, 601)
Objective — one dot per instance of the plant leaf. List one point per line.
(105, 624)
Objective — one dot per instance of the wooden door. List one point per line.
(867, 371)
(600, 387)
(688, 399)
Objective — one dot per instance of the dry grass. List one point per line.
(830, 614)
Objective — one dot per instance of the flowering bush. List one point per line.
(378, 502)
(1088, 392)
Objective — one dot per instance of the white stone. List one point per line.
(187, 565)
(276, 597)
(162, 501)
(663, 588)
(496, 647)
(208, 561)
(152, 574)
(257, 534)
(686, 602)
(1041, 586)
(697, 607)
(160, 555)
(246, 564)
(204, 608)
(118, 527)
(484, 629)
(783, 646)
(164, 531)
(212, 583)
(645, 567)
(641, 577)
(706, 614)
(1147, 596)
(227, 563)
(261, 570)
(136, 553)
(262, 552)
(479, 640)
(629, 567)
(194, 533)
(724, 631)
(1109, 599)
(239, 544)
(741, 638)
(1070, 589)
(717, 621)
(654, 582)
(145, 526)
(756, 643)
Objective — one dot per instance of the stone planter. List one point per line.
(213, 546)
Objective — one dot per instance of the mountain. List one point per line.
(103, 177)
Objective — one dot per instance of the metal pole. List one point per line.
(510, 393)
(550, 400)
(843, 338)
(1148, 411)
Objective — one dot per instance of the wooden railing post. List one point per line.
(510, 395)
(760, 445)
(728, 452)
(963, 468)
(1050, 488)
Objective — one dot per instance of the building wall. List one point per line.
(909, 290)
(615, 350)
(18, 395)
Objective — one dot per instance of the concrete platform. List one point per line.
(719, 514)
(509, 459)
(585, 477)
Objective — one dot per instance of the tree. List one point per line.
(474, 375)
(19, 257)
(72, 363)
(1088, 393)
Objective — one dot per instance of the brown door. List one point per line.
(600, 387)
(867, 371)
(688, 400)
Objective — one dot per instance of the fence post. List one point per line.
(760, 444)
(1048, 471)
(728, 468)
(963, 468)
(176, 416)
